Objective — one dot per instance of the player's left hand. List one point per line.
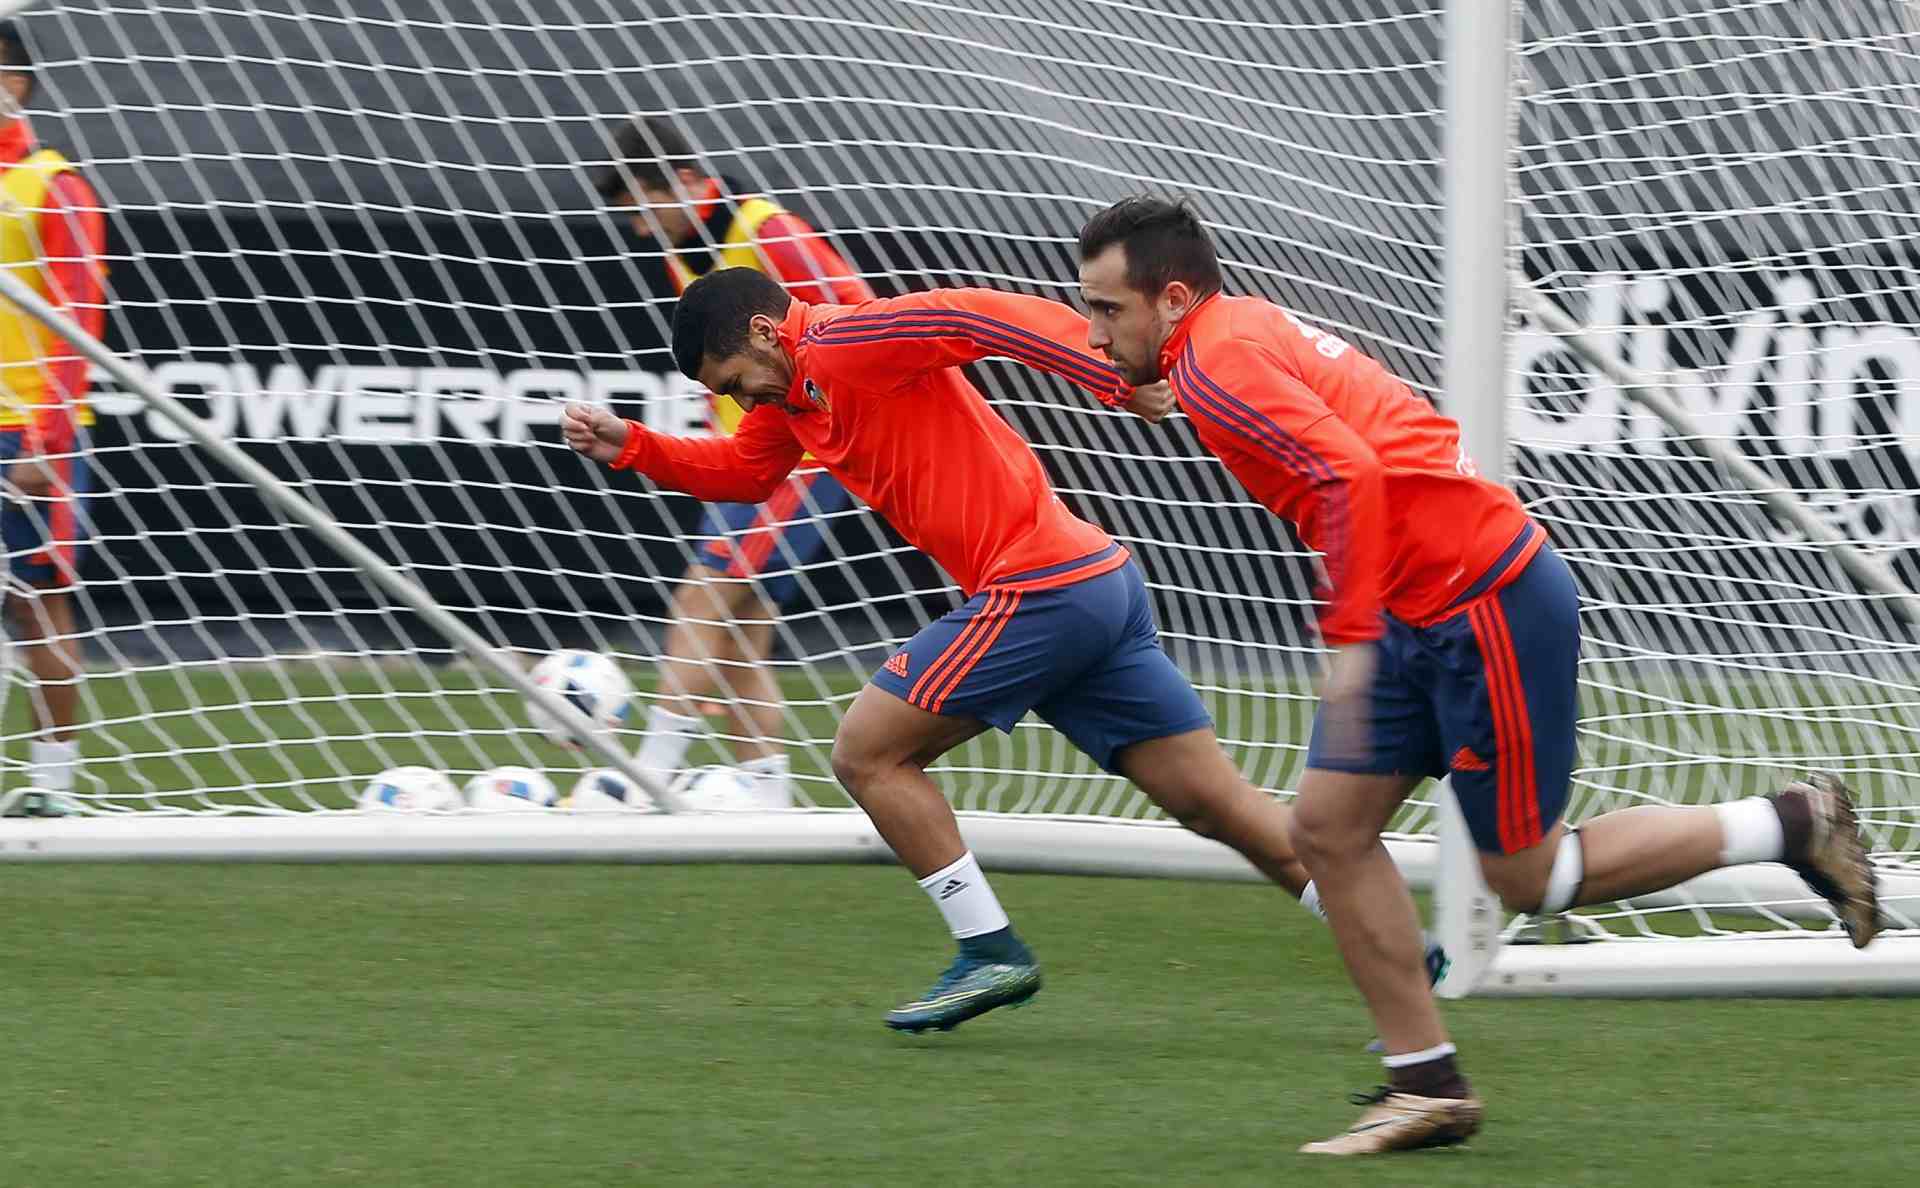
(1151, 403)
(594, 431)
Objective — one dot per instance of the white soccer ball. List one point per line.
(410, 790)
(594, 684)
(511, 790)
(717, 789)
(607, 790)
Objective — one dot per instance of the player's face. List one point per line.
(658, 214)
(1124, 324)
(759, 373)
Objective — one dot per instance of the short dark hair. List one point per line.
(1164, 241)
(14, 54)
(645, 150)
(711, 320)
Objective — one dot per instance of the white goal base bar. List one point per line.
(1793, 964)
(1026, 843)
(1782, 965)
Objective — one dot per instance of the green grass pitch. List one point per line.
(504, 1025)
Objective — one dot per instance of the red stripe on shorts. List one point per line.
(1518, 790)
(1001, 617)
(952, 652)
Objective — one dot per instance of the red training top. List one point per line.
(879, 400)
(1371, 474)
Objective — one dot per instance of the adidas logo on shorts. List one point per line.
(897, 664)
(1465, 760)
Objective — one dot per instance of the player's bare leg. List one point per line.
(1337, 822)
(880, 754)
(1190, 776)
(42, 622)
(715, 650)
(1810, 826)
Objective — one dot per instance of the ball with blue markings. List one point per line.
(410, 789)
(607, 790)
(511, 790)
(593, 683)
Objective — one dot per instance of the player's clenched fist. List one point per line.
(1151, 402)
(594, 431)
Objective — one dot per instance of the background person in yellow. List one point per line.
(52, 236)
(722, 614)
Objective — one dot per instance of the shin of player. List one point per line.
(1456, 636)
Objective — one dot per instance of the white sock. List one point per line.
(668, 735)
(961, 893)
(1750, 832)
(51, 765)
(1310, 899)
(772, 778)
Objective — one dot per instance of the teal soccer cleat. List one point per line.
(971, 986)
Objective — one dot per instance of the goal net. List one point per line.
(360, 238)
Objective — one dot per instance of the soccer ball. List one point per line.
(717, 789)
(594, 684)
(510, 790)
(606, 790)
(410, 790)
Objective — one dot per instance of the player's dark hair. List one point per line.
(14, 54)
(711, 320)
(1164, 241)
(645, 150)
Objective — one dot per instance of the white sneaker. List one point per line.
(772, 781)
(717, 789)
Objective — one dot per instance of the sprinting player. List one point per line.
(1056, 621)
(721, 616)
(1455, 630)
(52, 236)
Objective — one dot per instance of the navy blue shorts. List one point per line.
(1488, 696)
(768, 541)
(46, 538)
(1086, 657)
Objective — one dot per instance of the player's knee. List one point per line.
(1519, 889)
(1321, 832)
(26, 617)
(1545, 879)
(1198, 814)
(855, 764)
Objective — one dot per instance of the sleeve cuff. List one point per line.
(630, 453)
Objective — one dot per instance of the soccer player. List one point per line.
(52, 236)
(723, 611)
(1056, 619)
(1455, 630)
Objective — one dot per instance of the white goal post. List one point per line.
(1647, 253)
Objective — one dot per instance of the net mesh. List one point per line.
(361, 237)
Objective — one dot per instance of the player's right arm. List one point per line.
(1290, 451)
(905, 337)
(746, 466)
